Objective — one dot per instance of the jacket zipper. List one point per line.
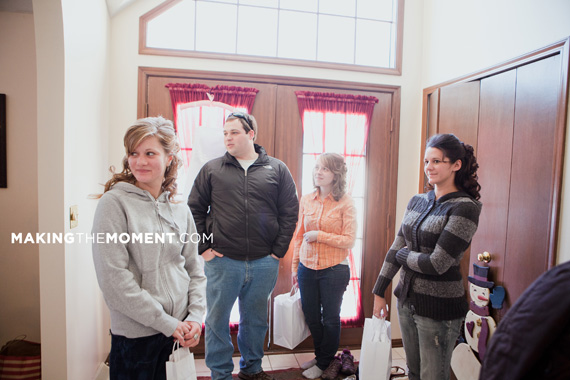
(246, 212)
(160, 268)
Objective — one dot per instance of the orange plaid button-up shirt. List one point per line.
(336, 223)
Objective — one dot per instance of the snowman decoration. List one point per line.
(479, 325)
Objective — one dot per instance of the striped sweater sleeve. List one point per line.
(451, 244)
(391, 265)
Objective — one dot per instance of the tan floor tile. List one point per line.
(304, 357)
(265, 363)
(201, 369)
(283, 361)
(399, 351)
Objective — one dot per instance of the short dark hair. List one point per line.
(247, 121)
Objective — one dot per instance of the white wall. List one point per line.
(73, 60)
(461, 37)
(19, 268)
(87, 60)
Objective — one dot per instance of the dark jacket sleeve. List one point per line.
(288, 208)
(199, 202)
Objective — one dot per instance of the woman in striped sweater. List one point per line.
(436, 230)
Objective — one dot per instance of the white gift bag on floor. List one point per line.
(289, 326)
(180, 364)
(376, 350)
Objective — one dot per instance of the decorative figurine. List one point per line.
(479, 325)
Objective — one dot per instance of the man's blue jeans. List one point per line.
(321, 298)
(428, 343)
(251, 282)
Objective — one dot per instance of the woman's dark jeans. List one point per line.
(321, 297)
(139, 358)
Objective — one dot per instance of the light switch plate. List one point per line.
(73, 216)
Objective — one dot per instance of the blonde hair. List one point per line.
(163, 130)
(335, 163)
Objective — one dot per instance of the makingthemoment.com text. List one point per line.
(107, 238)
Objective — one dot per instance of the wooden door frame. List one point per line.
(371, 262)
(563, 48)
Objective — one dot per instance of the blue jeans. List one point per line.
(139, 358)
(251, 282)
(321, 298)
(428, 343)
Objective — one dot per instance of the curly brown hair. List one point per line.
(335, 163)
(163, 130)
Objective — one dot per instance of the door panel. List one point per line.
(459, 111)
(496, 122)
(532, 181)
(459, 114)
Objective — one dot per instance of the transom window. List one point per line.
(362, 34)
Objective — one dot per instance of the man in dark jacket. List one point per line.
(248, 202)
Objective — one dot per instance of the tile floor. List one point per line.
(275, 362)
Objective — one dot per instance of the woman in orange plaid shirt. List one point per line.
(325, 232)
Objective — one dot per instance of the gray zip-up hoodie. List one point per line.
(148, 285)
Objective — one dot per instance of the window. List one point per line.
(356, 34)
(327, 132)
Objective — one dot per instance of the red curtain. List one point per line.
(181, 93)
(238, 97)
(357, 111)
(330, 102)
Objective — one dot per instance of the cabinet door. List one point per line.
(495, 136)
(532, 186)
(459, 114)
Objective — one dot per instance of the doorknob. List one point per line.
(485, 256)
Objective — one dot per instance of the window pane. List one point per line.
(375, 9)
(261, 3)
(358, 188)
(334, 135)
(297, 35)
(338, 7)
(219, 1)
(299, 5)
(356, 133)
(216, 27)
(313, 132)
(373, 43)
(257, 31)
(309, 161)
(359, 204)
(357, 254)
(173, 29)
(393, 46)
(336, 39)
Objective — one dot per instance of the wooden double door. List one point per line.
(514, 116)
(281, 134)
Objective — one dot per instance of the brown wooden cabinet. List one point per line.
(514, 116)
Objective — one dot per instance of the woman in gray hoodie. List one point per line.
(146, 257)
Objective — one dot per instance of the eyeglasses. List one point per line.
(435, 162)
(243, 116)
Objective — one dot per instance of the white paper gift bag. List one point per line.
(376, 350)
(289, 326)
(180, 365)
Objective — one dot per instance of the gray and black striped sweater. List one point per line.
(429, 246)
